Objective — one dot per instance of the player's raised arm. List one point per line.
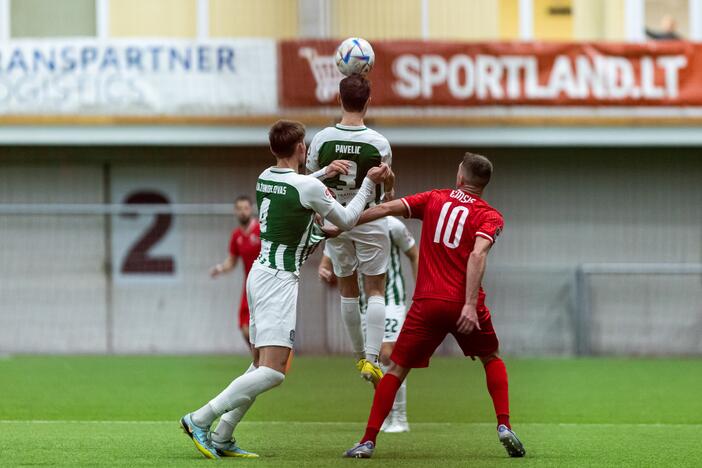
(475, 269)
(393, 208)
(340, 166)
(390, 187)
(346, 217)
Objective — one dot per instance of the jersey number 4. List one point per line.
(458, 212)
(263, 214)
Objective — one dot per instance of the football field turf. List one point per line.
(87, 411)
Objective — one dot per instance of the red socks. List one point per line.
(496, 377)
(382, 404)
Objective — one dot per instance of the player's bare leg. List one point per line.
(382, 404)
(374, 286)
(397, 419)
(351, 316)
(245, 334)
(498, 387)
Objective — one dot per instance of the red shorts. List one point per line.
(427, 324)
(244, 310)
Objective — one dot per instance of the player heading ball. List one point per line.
(287, 205)
(364, 249)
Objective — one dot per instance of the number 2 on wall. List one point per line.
(138, 259)
(457, 211)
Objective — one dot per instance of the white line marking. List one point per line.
(349, 423)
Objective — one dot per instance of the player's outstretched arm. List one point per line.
(335, 168)
(393, 208)
(475, 269)
(346, 217)
(223, 267)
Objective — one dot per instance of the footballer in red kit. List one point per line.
(245, 243)
(458, 230)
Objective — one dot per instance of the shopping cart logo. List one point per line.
(325, 73)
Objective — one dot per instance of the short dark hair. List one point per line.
(284, 135)
(477, 169)
(244, 198)
(354, 91)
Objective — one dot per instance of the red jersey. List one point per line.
(246, 244)
(451, 221)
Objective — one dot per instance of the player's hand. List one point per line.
(468, 321)
(379, 174)
(339, 166)
(326, 274)
(331, 231)
(215, 271)
(389, 195)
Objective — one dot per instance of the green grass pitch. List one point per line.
(88, 411)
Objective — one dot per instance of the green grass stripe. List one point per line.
(124, 411)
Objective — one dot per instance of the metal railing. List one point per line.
(583, 306)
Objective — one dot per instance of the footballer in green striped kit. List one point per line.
(401, 243)
(363, 250)
(288, 204)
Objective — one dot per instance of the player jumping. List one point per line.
(459, 228)
(395, 309)
(245, 242)
(364, 249)
(287, 204)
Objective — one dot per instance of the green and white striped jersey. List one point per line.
(363, 147)
(400, 242)
(287, 202)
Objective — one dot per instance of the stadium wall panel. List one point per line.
(60, 291)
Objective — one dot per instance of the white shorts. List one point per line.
(394, 318)
(272, 296)
(365, 248)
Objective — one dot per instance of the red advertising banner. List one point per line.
(418, 73)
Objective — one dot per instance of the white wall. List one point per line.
(562, 208)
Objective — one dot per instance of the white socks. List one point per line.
(351, 315)
(242, 391)
(400, 404)
(227, 424)
(375, 327)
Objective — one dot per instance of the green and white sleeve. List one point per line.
(318, 198)
(399, 234)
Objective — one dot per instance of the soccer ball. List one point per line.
(355, 55)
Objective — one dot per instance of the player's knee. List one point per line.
(375, 285)
(273, 377)
(348, 287)
(397, 370)
(385, 352)
(486, 359)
